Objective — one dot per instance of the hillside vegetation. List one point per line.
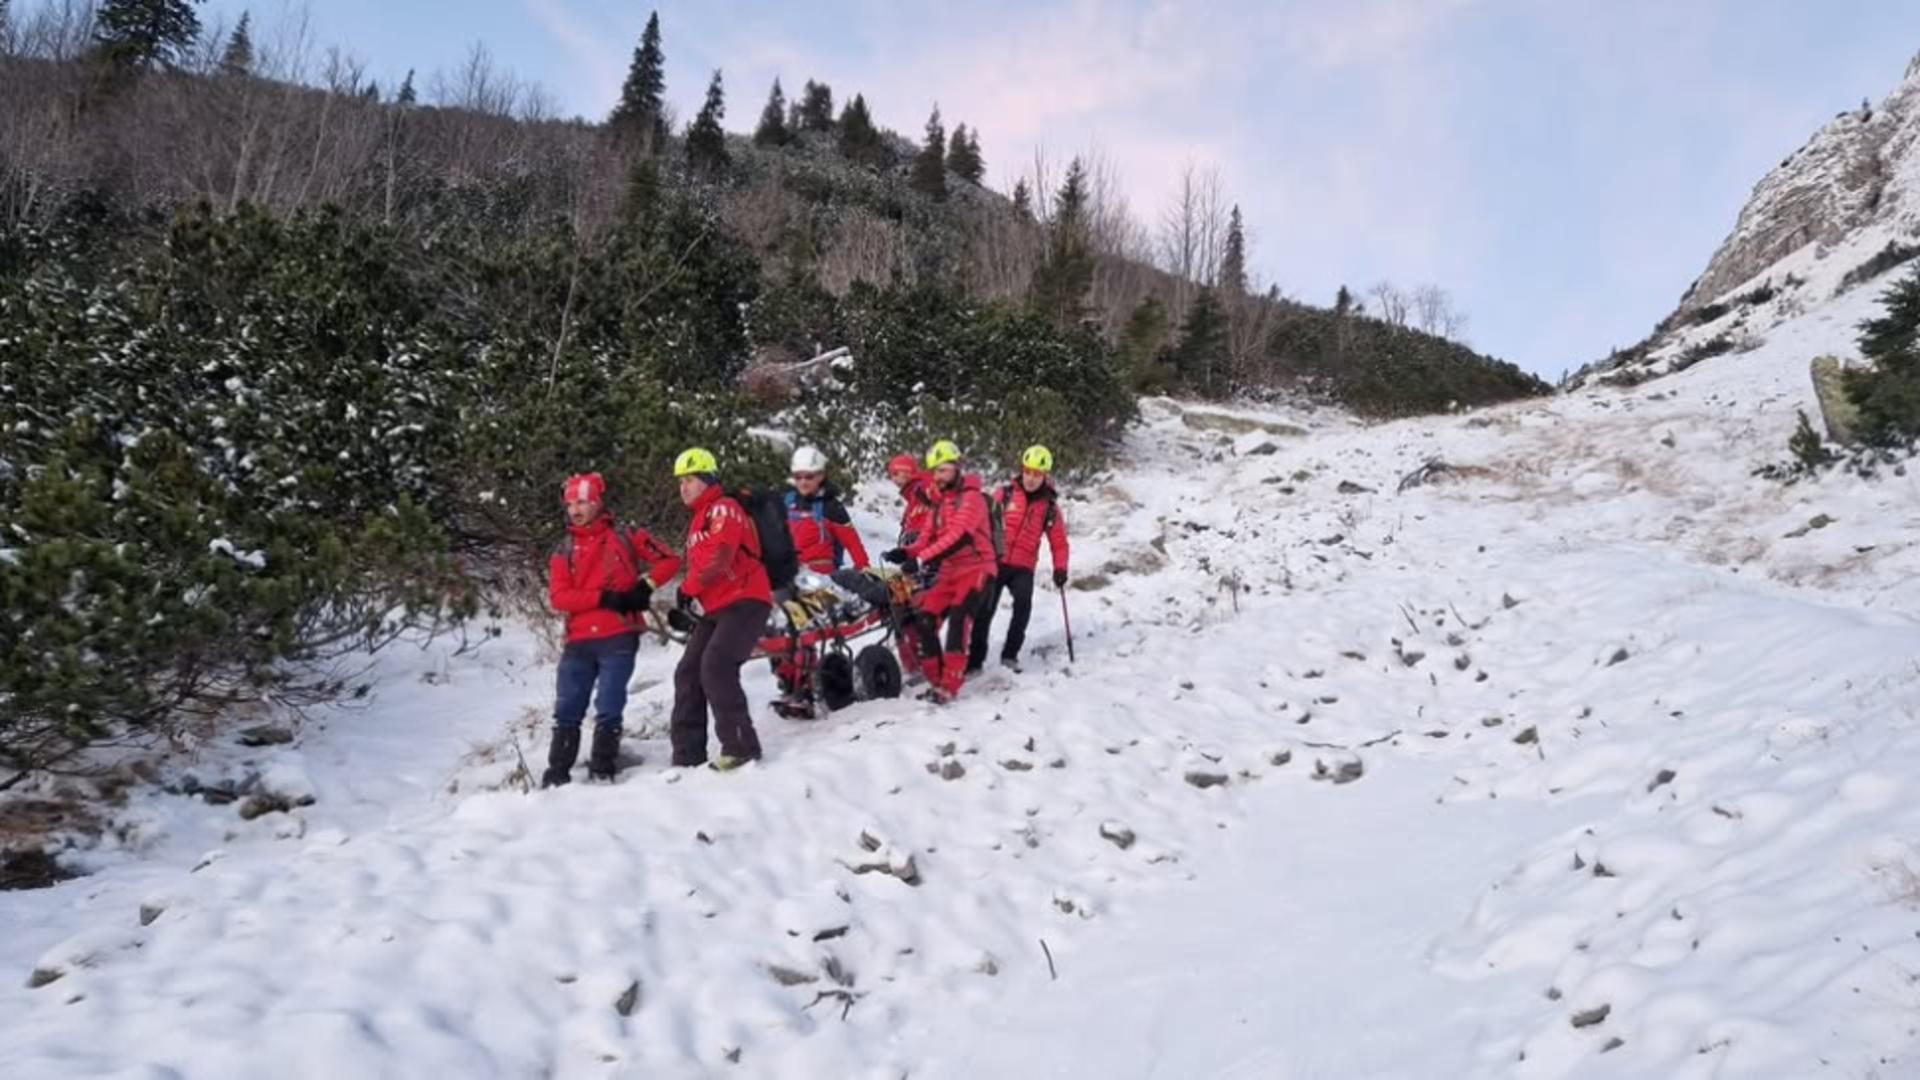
(293, 361)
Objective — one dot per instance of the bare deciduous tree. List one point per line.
(1193, 231)
(1390, 304)
(1435, 311)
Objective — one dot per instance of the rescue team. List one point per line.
(603, 574)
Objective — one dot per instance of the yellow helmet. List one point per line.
(1037, 458)
(943, 453)
(694, 462)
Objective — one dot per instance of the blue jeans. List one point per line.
(597, 669)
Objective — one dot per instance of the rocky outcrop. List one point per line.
(1858, 170)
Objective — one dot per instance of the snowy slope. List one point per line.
(1628, 755)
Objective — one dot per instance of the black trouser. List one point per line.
(1019, 584)
(708, 677)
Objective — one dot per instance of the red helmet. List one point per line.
(590, 486)
(904, 461)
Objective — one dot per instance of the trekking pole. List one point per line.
(1067, 620)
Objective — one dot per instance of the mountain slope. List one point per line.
(1834, 216)
(1635, 797)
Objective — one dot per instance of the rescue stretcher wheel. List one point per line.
(876, 673)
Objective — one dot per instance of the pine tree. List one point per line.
(773, 120)
(1061, 282)
(1140, 342)
(1233, 261)
(860, 141)
(1888, 392)
(963, 155)
(1023, 198)
(371, 92)
(237, 59)
(143, 33)
(930, 165)
(816, 108)
(641, 113)
(706, 141)
(406, 98)
(1343, 302)
(1202, 358)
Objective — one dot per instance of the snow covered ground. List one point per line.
(1570, 762)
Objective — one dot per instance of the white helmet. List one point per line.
(808, 459)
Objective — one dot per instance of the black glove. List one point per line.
(682, 620)
(1059, 578)
(641, 595)
(900, 558)
(615, 601)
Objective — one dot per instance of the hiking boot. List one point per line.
(561, 754)
(603, 761)
(1011, 663)
(730, 762)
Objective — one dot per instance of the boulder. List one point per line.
(1837, 410)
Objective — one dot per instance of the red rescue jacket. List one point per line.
(959, 535)
(1025, 519)
(723, 554)
(823, 532)
(918, 514)
(603, 555)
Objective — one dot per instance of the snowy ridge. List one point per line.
(1800, 241)
(1857, 172)
(1587, 756)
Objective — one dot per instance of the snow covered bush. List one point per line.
(215, 478)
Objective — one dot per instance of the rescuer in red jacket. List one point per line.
(958, 541)
(728, 592)
(601, 577)
(1029, 512)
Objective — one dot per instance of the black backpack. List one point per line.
(768, 512)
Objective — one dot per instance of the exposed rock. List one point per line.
(786, 976)
(1528, 736)
(1348, 487)
(1342, 770)
(1089, 582)
(1280, 757)
(150, 912)
(43, 976)
(1197, 420)
(1664, 776)
(1837, 410)
(1120, 835)
(1135, 559)
(1818, 521)
(1016, 765)
(1201, 779)
(1589, 1017)
(628, 1000)
(951, 769)
(1620, 656)
(30, 869)
(265, 735)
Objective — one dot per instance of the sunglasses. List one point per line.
(808, 475)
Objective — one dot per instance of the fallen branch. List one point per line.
(1052, 972)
